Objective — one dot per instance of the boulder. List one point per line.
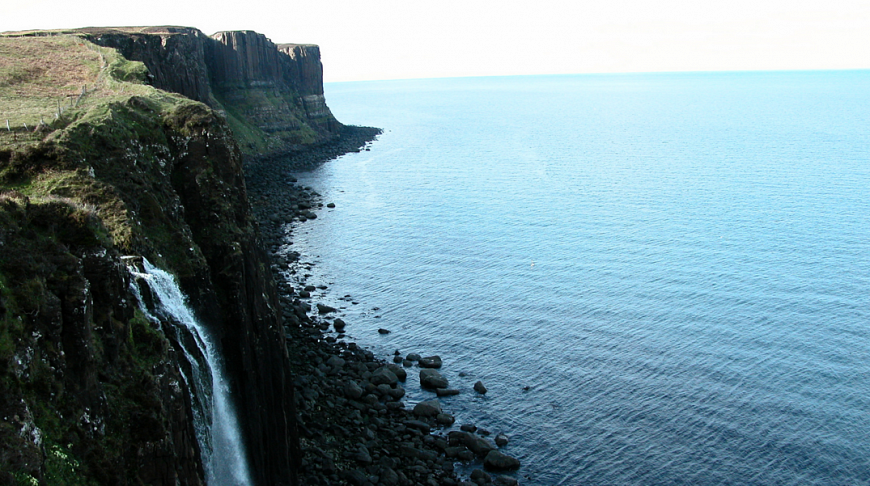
(480, 477)
(397, 392)
(446, 392)
(325, 309)
(445, 419)
(413, 357)
(430, 378)
(429, 408)
(479, 388)
(430, 362)
(400, 372)
(352, 390)
(478, 445)
(501, 440)
(383, 376)
(500, 462)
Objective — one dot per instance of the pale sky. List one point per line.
(393, 39)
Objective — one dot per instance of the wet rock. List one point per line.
(400, 372)
(325, 309)
(478, 445)
(445, 419)
(505, 481)
(413, 357)
(419, 425)
(479, 388)
(397, 392)
(446, 392)
(383, 376)
(468, 427)
(429, 408)
(430, 362)
(430, 378)
(501, 440)
(339, 325)
(499, 461)
(480, 477)
(330, 205)
(383, 331)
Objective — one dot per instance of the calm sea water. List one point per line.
(677, 266)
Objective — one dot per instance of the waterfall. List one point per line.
(215, 420)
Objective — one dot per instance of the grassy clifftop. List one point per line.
(96, 165)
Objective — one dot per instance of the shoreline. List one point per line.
(353, 426)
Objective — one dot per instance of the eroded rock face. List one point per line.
(278, 89)
(93, 372)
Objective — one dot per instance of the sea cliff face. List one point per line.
(271, 95)
(90, 389)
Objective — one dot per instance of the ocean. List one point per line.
(660, 278)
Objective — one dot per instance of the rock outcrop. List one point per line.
(88, 385)
(271, 95)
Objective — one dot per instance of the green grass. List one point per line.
(53, 80)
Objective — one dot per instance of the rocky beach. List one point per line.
(352, 422)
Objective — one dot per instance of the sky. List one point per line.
(400, 39)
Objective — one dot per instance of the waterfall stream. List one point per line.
(215, 420)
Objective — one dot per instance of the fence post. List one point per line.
(7, 126)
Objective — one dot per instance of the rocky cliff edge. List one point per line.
(90, 390)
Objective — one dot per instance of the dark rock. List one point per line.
(429, 408)
(355, 477)
(499, 461)
(478, 445)
(338, 324)
(430, 378)
(384, 376)
(362, 455)
(445, 419)
(400, 372)
(413, 357)
(325, 309)
(446, 392)
(352, 390)
(501, 440)
(468, 427)
(330, 205)
(383, 331)
(479, 388)
(419, 425)
(480, 477)
(430, 362)
(397, 392)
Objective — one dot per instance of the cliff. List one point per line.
(90, 389)
(271, 95)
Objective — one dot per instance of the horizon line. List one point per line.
(609, 73)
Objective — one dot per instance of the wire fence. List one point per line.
(63, 104)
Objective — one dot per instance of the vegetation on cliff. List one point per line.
(90, 390)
